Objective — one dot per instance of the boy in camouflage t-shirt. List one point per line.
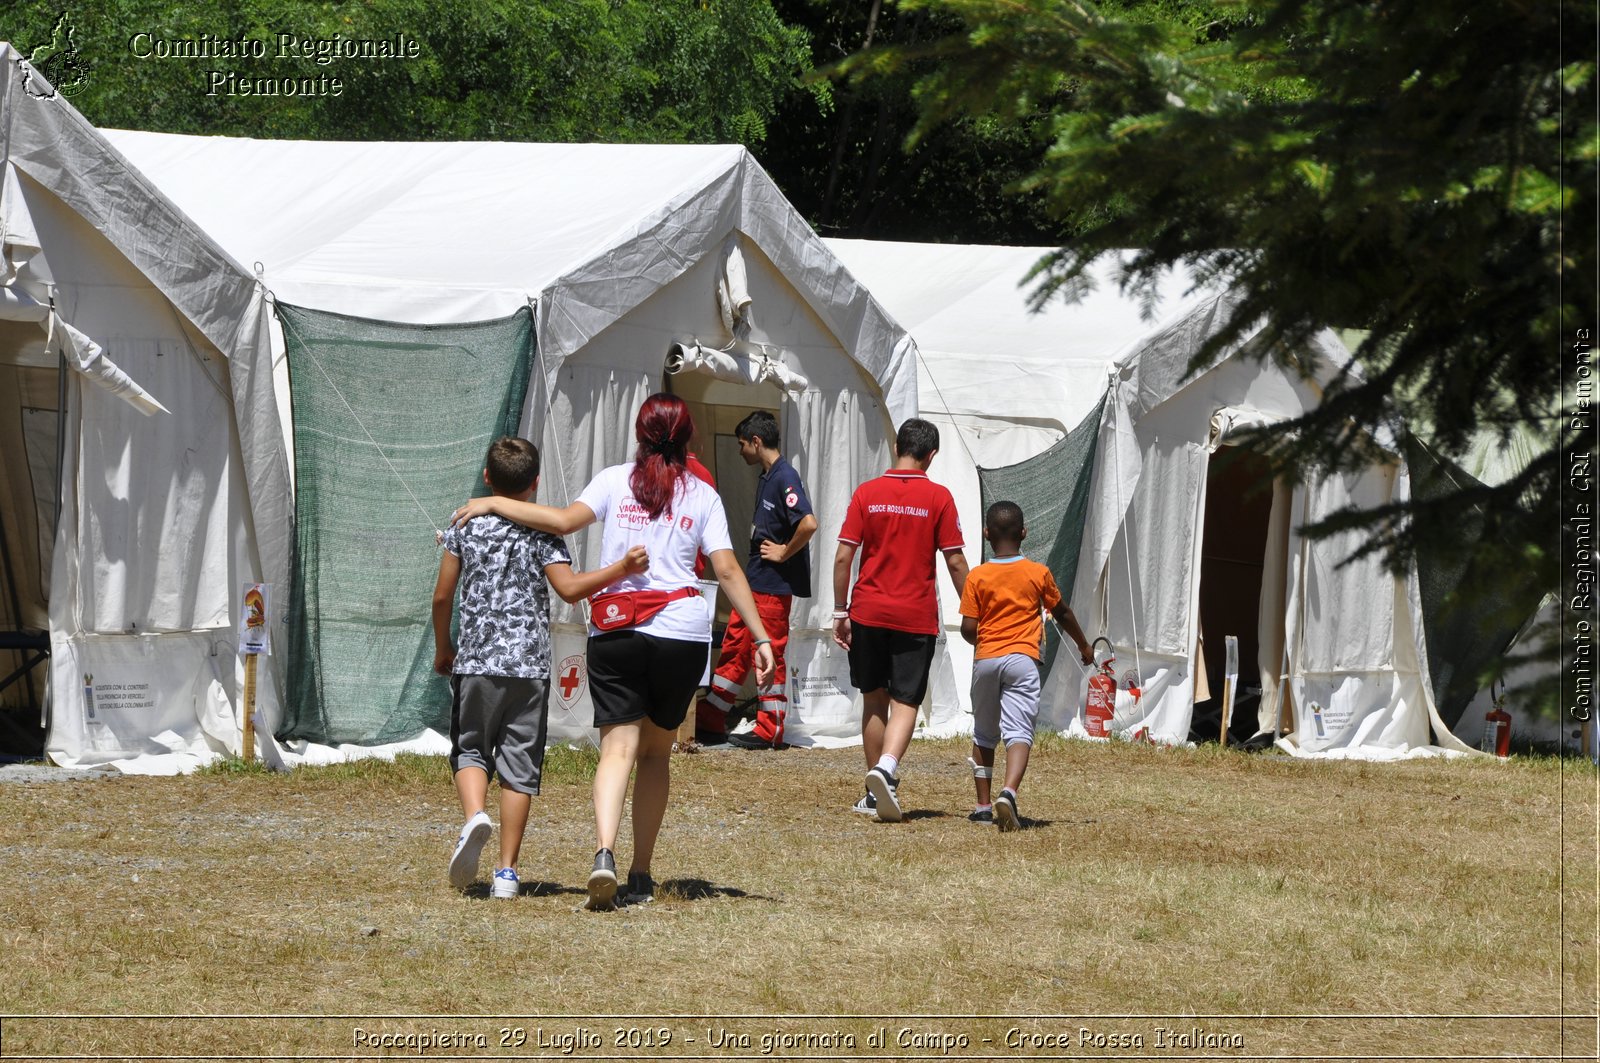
(501, 663)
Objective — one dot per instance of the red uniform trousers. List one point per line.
(733, 665)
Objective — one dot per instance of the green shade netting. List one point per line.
(1460, 640)
(1053, 490)
(391, 424)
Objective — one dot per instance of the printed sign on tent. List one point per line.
(132, 696)
(819, 688)
(254, 632)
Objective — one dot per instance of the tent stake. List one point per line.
(1230, 683)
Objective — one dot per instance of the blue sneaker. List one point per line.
(506, 885)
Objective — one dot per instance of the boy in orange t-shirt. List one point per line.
(1002, 608)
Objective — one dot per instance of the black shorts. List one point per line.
(633, 676)
(883, 657)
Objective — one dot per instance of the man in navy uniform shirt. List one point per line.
(779, 570)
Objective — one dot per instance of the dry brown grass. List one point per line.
(1245, 890)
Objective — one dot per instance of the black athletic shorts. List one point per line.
(883, 657)
(633, 675)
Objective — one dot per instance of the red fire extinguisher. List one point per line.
(1102, 703)
(1497, 730)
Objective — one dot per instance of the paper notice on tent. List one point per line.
(130, 691)
(819, 687)
(254, 632)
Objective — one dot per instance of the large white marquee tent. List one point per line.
(168, 252)
(150, 264)
(1174, 535)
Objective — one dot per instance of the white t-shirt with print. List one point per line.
(694, 523)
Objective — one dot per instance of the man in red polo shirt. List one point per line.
(889, 624)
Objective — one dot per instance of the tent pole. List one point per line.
(247, 739)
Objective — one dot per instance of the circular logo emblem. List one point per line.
(613, 610)
(791, 500)
(569, 677)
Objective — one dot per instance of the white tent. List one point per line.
(1173, 536)
(169, 250)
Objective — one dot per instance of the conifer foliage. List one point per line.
(1424, 173)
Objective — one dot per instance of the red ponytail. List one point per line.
(663, 429)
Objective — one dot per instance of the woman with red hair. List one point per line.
(649, 633)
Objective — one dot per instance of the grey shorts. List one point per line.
(498, 724)
(1005, 700)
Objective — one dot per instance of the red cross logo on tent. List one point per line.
(569, 678)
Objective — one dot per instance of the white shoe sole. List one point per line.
(469, 851)
(888, 804)
(1005, 816)
(505, 891)
(602, 890)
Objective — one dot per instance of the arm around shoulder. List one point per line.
(562, 521)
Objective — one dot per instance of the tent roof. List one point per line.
(441, 232)
(458, 227)
(967, 307)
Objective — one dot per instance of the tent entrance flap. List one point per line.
(716, 413)
(391, 424)
(30, 425)
(1233, 571)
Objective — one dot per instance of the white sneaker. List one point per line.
(505, 885)
(882, 786)
(469, 850)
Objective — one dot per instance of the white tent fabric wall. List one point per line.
(1007, 383)
(1355, 660)
(152, 536)
(1001, 383)
(836, 432)
(600, 238)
